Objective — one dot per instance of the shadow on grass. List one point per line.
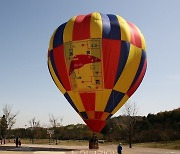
(13, 148)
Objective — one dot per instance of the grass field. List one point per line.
(163, 145)
(53, 142)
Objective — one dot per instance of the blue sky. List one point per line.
(25, 30)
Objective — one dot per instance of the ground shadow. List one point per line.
(24, 148)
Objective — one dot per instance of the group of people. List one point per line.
(17, 141)
(2, 140)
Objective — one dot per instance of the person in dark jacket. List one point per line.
(17, 141)
(119, 149)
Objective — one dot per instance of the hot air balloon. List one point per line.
(97, 61)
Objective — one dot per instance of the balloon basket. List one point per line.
(93, 142)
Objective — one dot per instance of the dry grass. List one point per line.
(164, 145)
(53, 142)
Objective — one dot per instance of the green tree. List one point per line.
(3, 127)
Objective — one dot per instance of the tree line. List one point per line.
(129, 128)
(163, 126)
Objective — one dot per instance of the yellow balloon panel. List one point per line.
(68, 30)
(125, 31)
(56, 80)
(102, 99)
(96, 25)
(83, 61)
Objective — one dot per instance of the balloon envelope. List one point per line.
(97, 61)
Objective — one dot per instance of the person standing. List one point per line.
(3, 128)
(1, 139)
(17, 141)
(119, 149)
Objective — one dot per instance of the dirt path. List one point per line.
(62, 149)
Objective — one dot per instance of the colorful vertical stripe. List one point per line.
(88, 100)
(111, 54)
(58, 36)
(81, 29)
(62, 70)
(135, 36)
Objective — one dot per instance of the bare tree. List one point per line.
(33, 125)
(10, 118)
(130, 111)
(55, 123)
